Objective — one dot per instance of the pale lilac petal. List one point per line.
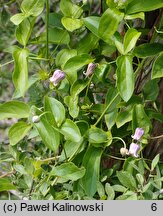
(57, 76)
(90, 69)
(133, 150)
(138, 134)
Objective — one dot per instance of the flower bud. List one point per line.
(138, 134)
(90, 69)
(124, 152)
(35, 119)
(58, 75)
(133, 150)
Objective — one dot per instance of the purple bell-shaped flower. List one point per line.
(57, 76)
(138, 134)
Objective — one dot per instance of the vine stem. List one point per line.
(156, 137)
(7, 174)
(37, 58)
(9, 62)
(117, 158)
(119, 139)
(103, 113)
(89, 83)
(47, 29)
(50, 159)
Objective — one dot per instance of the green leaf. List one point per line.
(54, 19)
(92, 23)
(32, 7)
(20, 74)
(72, 104)
(49, 135)
(28, 164)
(146, 5)
(140, 15)
(146, 187)
(14, 109)
(6, 185)
(18, 18)
(23, 31)
(71, 131)
(155, 162)
(68, 171)
(56, 36)
(77, 62)
(123, 117)
(97, 135)
(91, 162)
(63, 56)
(110, 118)
(148, 94)
(101, 190)
(20, 168)
(110, 191)
(109, 23)
(70, 149)
(129, 195)
(125, 77)
(112, 96)
(4, 16)
(140, 179)
(78, 87)
(71, 24)
(111, 112)
(69, 9)
(130, 39)
(56, 108)
(18, 131)
(155, 115)
(118, 43)
(149, 49)
(28, 180)
(140, 119)
(119, 188)
(107, 50)
(157, 70)
(88, 43)
(127, 180)
(83, 126)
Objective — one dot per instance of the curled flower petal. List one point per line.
(133, 150)
(57, 76)
(138, 134)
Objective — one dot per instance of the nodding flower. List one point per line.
(133, 150)
(90, 69)
(138, 134)
(57, 77)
